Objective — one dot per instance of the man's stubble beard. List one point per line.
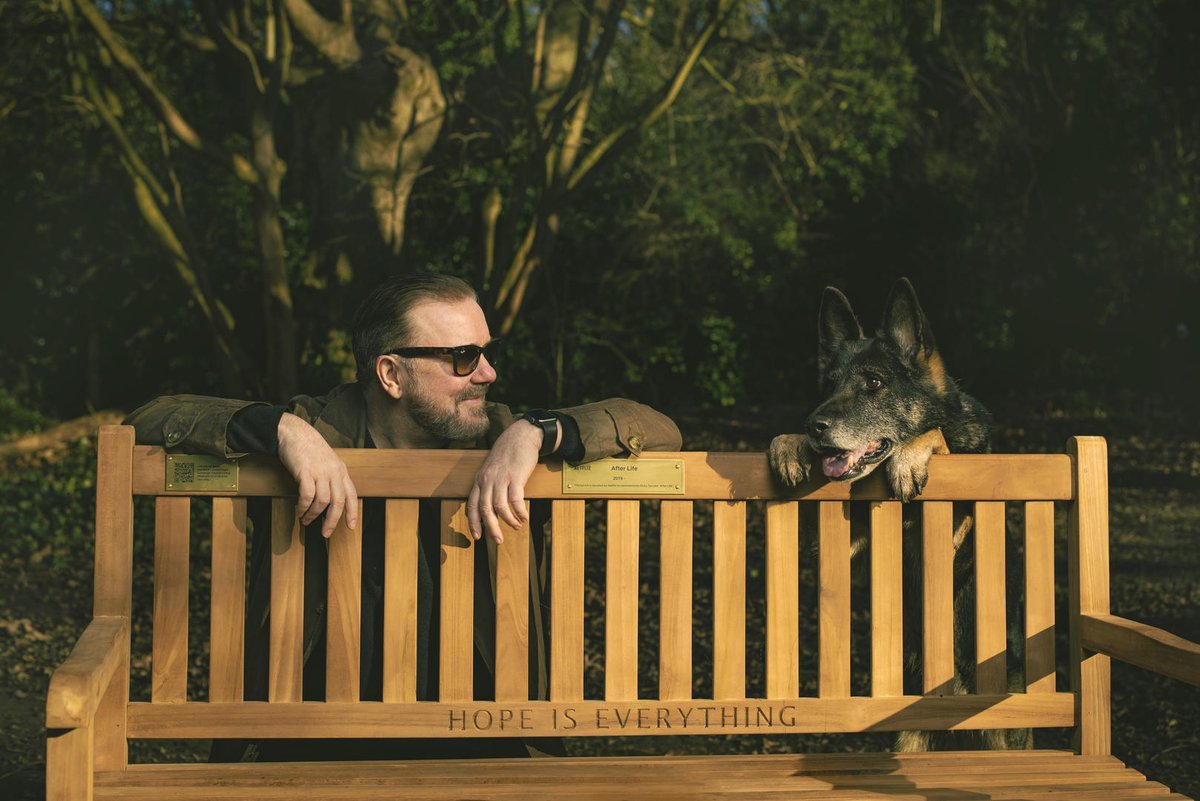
(450, 424)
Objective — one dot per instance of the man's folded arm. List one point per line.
(223, 427)
(615, 427)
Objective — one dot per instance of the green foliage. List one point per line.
(1031, 165)
(47, 504)
(17, 419)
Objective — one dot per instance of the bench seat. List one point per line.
(815, 777)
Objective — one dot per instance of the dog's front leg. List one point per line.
(908, 467)
(791, 458)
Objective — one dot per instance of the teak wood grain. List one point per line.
(90, 718)
(228, 604)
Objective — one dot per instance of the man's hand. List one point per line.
(499, 490)
(324, 481)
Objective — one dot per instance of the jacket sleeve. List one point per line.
(195, 423)
(615, 426)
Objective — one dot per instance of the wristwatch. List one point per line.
(548, 422)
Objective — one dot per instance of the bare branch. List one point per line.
(281, 65)
(164, 218)
(333, 40)
(159, 102)
(233, 43)
(620, 139)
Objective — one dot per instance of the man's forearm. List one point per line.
(616, 426)
(191, 423)
(255, 429)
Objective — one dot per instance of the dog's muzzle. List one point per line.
(846, 465)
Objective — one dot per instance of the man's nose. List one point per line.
(484, 372)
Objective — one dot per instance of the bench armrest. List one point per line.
(1142, 645)
(79, 683)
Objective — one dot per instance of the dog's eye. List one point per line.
(874, 383)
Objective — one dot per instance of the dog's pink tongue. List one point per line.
(837, 466)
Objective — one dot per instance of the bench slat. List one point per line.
(991, 644)
(621, 602)
(457, 592)
(1087, 546)
(512, 615)
(715, 777)
(729, 599)
(783, 600)
(168, 664)
(708, 476)
(566, 600)
(287, 603)
(1039, 597)
(228, 616)
(774, 764)
(942, 776)
(833, 680)
(601, 718)
(675, 601)
(937, 618)
(343, 617)
(887, 599)
(401, 543)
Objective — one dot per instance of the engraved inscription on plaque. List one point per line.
(644, 476)
(200, 473)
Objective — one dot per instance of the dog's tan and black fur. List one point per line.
(888, 401)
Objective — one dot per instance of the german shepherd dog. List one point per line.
(887, 400)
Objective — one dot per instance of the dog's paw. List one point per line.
(907, 475)
(790, 459)
(908, 467)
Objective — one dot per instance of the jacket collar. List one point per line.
(343, 420)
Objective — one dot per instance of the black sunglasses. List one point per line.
(465, 357)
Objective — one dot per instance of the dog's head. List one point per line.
(878, 392)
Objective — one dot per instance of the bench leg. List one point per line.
(110, 749)
(69, 764)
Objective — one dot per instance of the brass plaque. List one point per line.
(644, 476)
(200, 473)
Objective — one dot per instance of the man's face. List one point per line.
(448, 406)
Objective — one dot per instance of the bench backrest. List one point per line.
(724, 488)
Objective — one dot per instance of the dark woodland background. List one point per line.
(649, 195)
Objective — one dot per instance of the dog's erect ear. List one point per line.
(837, 325)
(904, 323)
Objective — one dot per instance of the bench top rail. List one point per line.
(708, 476)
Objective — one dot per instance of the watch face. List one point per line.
(548, 423)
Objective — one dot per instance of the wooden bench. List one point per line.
(91, 719)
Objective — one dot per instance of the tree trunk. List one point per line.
(277, 294)
(370, 129)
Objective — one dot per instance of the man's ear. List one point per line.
(836, 325)
(904, 322)
(390, 375)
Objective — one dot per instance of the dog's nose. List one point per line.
(817, 426)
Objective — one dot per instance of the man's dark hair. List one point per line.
(381, 322)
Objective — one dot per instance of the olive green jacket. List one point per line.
(199, 424)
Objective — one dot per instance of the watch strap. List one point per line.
(548, 422)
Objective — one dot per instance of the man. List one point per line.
(425, 361)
